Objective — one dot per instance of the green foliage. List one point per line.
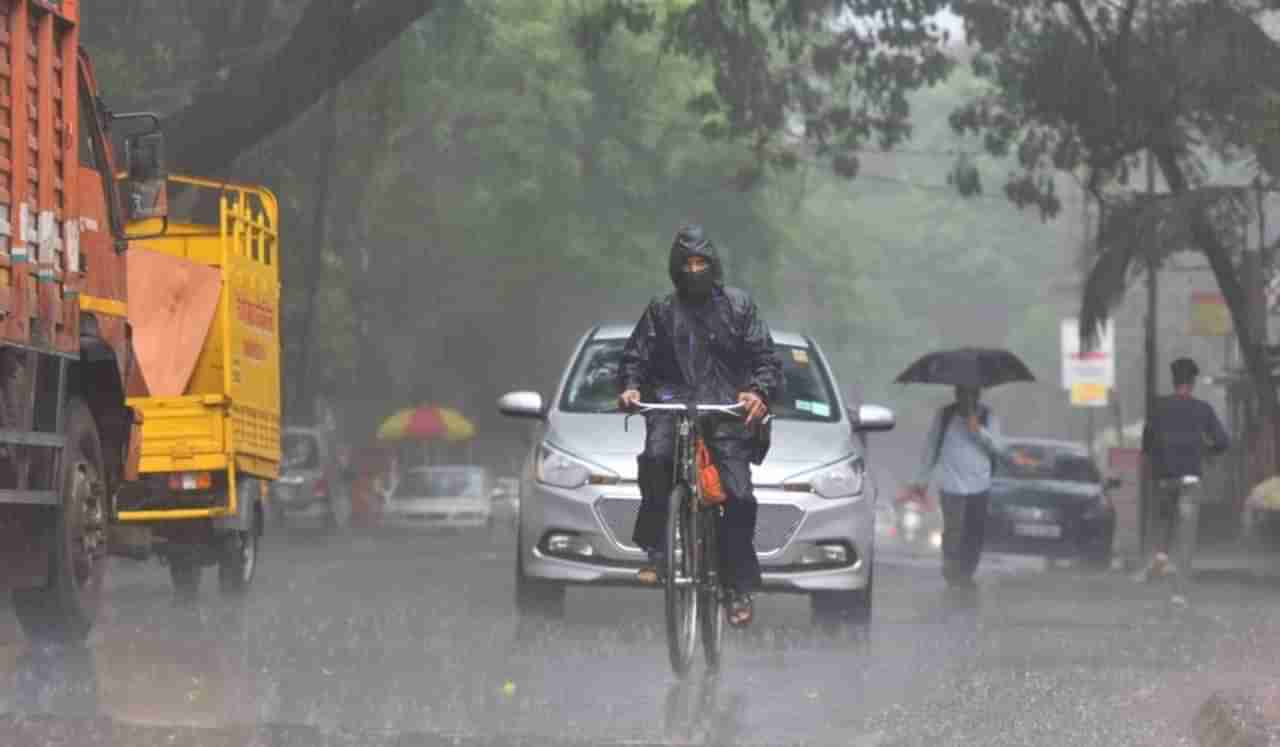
(834, 75)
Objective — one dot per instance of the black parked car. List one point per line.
(1049, 498)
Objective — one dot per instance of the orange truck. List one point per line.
(67, 437)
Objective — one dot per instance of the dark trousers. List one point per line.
(739, 566)
(964, 526)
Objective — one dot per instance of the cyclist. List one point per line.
(704, 342)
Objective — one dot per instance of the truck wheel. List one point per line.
(184, 571)
(65, 608)
(238, 561)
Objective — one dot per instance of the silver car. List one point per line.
(815, 531)
(442, 497)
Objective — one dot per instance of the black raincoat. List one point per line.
(710, 348)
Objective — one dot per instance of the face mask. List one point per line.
(697, 286)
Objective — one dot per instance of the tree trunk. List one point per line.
(315, 267)
(1237, 298)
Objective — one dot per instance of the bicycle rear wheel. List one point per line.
(711, 600)
(681, 580)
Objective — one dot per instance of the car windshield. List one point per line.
(442, 483)
(1046, 462)
(806, 392)
(301, 451)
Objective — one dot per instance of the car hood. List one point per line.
(796, 446)
(1042, 492)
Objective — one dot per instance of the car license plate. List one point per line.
(1047, 531)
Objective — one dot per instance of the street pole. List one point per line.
(1145, 498)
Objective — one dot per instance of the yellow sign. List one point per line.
(1089, 395)
(1210, 316)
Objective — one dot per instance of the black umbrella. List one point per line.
(974, 367)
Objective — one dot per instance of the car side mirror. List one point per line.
(522, 405)
(147, 193)
(873, 418)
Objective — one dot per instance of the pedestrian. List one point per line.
(1180, 432)
(960, 454)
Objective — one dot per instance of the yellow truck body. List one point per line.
(223, 418)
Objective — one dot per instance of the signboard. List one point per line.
(1210, 316)
(1097, 366)
(1088, 395)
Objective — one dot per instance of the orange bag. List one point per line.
(709, 477)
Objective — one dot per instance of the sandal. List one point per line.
(652, 573)
(740, 609)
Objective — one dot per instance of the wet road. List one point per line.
(399, 638)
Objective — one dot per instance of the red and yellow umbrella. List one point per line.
(427, 423)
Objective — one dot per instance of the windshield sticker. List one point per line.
(800, 356)
(821, 409)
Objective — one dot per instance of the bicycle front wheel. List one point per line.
(681, 583)
(711, 601)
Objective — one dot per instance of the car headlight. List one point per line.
(912, 520)
(561, 469)
(842, 479)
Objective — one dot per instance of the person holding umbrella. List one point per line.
(961, 450)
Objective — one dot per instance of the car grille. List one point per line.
(775, 524)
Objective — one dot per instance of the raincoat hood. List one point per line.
(692, 241)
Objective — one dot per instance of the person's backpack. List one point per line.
(949, 412)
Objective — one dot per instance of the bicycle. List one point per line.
(694, 595)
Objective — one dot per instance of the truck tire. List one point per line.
(184, 571)
(64, 609)
(238, 557)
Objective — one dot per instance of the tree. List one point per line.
(791, 78)
(243, 84)
(1089, 87)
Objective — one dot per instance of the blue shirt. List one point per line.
(963, 465)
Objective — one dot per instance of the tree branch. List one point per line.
(258, 99)
(1082, 19)
(1125, 33)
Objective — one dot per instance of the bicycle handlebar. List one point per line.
(728, 409)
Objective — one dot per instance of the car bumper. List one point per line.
(1083, 537)
(435, 522)
(789, 528)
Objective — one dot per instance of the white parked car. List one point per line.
(442, 497)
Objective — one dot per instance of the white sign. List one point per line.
(1097, 366)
